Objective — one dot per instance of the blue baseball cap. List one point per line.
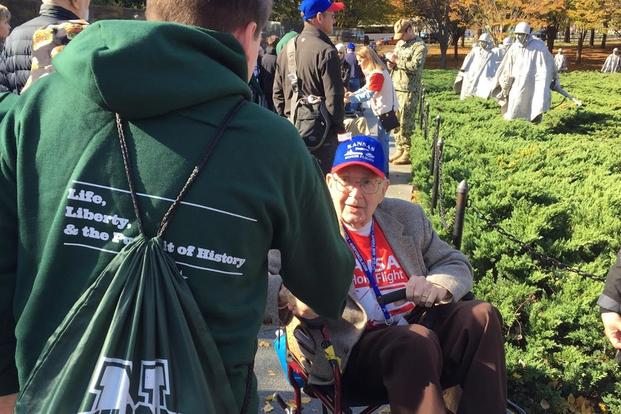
(310, 8)
(360, 150)
(351, 46)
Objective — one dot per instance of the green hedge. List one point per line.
(556, 186)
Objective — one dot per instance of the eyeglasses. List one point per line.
(367, 185)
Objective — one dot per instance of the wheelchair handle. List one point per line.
(391, 297)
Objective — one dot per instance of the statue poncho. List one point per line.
(612, 64)
(524, 80)
(476, 76)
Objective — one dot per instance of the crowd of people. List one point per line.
(108, 127)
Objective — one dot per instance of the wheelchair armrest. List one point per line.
(400, 294)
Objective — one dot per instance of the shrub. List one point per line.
(557, 187)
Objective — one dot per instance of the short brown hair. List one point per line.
(219, 15)
(5, 14)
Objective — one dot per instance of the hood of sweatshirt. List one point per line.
(144, 69)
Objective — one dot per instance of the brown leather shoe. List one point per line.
(397, 154)
(404, 159)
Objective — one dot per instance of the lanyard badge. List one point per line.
(370, 273)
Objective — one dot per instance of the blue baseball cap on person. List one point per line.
(360, 150)
(310, 8)
(351, 46)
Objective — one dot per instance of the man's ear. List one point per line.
(385, 185)
(329, 179)
(246, 36)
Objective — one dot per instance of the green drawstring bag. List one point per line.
(135, 341)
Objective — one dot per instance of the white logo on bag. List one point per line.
(111, 386)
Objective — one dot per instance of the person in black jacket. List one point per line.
(610, 305)
(345, 68)
(318, 71)
(268, 64)
(15, 60)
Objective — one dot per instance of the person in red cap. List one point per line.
(387, 351)
(318, 75)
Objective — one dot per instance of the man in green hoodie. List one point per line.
(65, 209)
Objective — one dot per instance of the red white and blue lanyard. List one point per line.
(370, 274)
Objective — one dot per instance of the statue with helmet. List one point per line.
(560, 60)
(526, 78)
(613, 62)
(504, 47)
(477, 74)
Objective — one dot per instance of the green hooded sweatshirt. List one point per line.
(65, 209)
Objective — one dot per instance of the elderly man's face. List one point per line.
(356, 192)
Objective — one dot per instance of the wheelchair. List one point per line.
(287, 346)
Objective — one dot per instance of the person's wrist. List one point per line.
(610, 316)
(283, 297)
(445, 296)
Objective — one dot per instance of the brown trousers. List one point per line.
(408, 366)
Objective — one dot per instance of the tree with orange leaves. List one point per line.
(435, 14)
(587, 15)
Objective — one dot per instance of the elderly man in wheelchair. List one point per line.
(386, 353)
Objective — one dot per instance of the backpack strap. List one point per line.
(197, 169)
(292, 75)
(128, 170)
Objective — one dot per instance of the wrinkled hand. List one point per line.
(301, 309)
(7, 404)
(612, 328)
(294, 305)
(424, 293)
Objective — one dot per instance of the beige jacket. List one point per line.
(418, 249)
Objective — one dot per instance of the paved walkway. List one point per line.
(267, 369)
(400, 180)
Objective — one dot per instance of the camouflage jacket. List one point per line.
(411, 55)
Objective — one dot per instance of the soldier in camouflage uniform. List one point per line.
(407, 62)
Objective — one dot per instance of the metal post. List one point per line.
(421, 108)
(434, 143)
(460, 210)
(426, 122)
(436, 175)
